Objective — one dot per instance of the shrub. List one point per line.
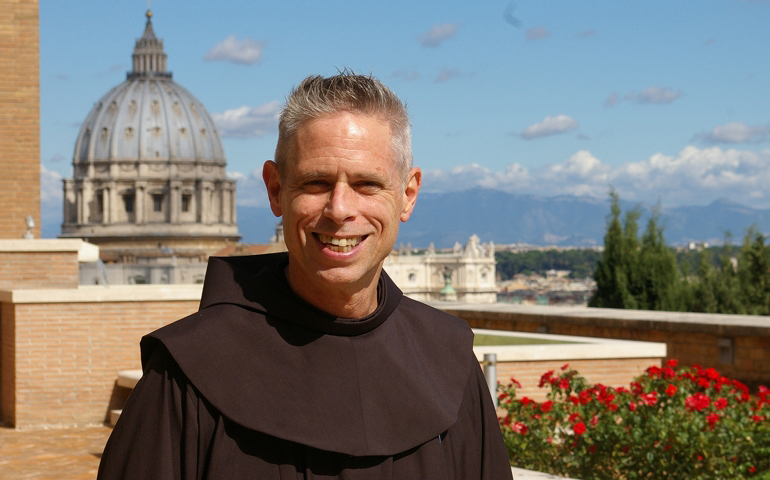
(689, 423)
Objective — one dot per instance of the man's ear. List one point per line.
(410, 192)
(273, 184)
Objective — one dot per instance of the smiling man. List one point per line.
(312, 364)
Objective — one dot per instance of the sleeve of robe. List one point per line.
(159, 434)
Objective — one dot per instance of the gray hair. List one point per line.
(318, 97)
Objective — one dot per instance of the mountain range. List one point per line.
(563, 220)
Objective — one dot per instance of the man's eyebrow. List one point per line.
(311, 175)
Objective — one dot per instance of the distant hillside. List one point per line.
(446, 218)
(560, 220)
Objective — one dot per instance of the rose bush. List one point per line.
(689, 423)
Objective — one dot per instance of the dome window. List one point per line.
(157, 202)
(186, 199)
(128, 201)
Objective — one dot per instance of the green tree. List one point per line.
(613, 286)
(657, 269)
(754, 273)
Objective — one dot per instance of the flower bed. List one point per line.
(672, 422)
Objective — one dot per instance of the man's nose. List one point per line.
(341, 205)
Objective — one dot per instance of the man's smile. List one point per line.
(339, 245)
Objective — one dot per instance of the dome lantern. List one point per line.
(148, 59)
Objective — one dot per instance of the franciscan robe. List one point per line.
(259, 384)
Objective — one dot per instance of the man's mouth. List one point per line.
(340, 245)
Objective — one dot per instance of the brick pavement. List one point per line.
(66, 453)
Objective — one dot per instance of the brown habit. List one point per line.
(259, 384)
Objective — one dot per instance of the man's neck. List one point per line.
(349, 301)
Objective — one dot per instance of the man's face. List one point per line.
(341, 199)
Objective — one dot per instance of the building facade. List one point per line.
(466, 274)
(149, 169)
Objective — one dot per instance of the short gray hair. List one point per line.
(318, 97)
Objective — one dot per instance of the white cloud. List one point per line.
(694, 176)
(246, 122)
(447, 74)
(550, 126)
(406, 75)
(738, 132)
(657, 95)
(230, 49)
(612, 100)
(438, 33)
(51, 197)
(50, 187)
(249, 189)
(587, 33)
(537, 33)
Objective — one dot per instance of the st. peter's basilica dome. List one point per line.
(149, 167)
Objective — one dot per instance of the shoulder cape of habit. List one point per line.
(270, 362)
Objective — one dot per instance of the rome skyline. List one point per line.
(662, 101)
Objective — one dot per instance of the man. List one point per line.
(312, 364)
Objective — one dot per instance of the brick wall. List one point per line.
(19, 117)
(38, 270)
(610, 372)
(67, 357)
(690, 338)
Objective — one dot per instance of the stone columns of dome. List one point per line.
(84, 200)
(106, 204)
(112, 210)
(175, 200)
(231, 190)
(139, 195)
(206, 193)
(70, 201)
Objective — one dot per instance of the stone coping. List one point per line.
(521, 474)
(87, 252)
(582, 348)
(99, 293)
(714, 323)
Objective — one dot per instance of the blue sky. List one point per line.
(661, 99)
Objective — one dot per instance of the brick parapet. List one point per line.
(68, 355)
(690, 337)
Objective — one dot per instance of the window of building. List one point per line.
(99, 201)
(128, 200)
(186, 198)
(157, 202)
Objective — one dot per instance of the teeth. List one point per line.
(340, 245)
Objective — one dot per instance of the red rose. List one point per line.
(592, 449)
(650, 399)
(564, 384)
(546, 407)
(698, 401)
(671, 390)
(720, 403)
(712, 419)
(752, 469)
(579, 428)
(672, 362)
(519, 427)
(632, 406)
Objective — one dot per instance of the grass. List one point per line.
(489, 340)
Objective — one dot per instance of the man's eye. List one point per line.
(369, 186)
